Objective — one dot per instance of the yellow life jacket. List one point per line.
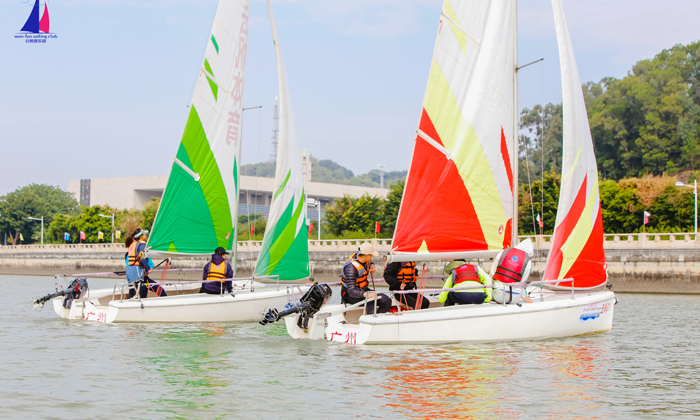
(217, 272)
(133, 257)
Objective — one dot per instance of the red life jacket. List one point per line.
(511, 266)
(467, 272)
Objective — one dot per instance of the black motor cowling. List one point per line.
(313, 300)
(75, 290)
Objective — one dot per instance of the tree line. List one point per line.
(327, 171)
(645, 123)
(63, 215)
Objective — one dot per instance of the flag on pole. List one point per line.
(66, 236)
(540, 222)
(100, 235)
(377, 228)
(118, 234)
(252, 229)
(311, 228)
(82, 235)
(646, 217)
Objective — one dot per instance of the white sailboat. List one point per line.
(199, 210)
(458, 201)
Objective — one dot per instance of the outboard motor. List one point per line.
(313, 300)
(75, 290)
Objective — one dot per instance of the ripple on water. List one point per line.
(645, 367)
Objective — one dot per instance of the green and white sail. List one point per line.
(285, 250)
(199, 209)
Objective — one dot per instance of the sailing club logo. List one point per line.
(36, 29)
(514, 258)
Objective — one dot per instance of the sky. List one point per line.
(109, 96)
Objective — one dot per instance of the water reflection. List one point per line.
(445, 382)
(647, 366)
(189, 365)
(575, 372)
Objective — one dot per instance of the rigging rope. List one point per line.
(542, 135)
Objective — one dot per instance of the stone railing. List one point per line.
(544, 242)
(62, 248)
(631, 241)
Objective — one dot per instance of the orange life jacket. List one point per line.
(407, 272)
(217, 272)
(362, 272)
(511, 265)
(466, 272)
(133, 257)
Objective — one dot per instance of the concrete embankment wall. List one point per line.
(630, 270)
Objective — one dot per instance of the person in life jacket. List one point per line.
(355, 284)
(402, 276)
(215, 272)
(512, 265)
(462, 274)
(138, 266)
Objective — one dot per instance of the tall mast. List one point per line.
(514, 237)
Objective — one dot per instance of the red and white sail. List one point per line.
(458, 195)
(577, 247)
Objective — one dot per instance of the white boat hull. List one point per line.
(187, 306)
(555, 315)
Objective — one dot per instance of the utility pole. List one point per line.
(42, 226)
(108, 217)
(381, 175)
(275, 136)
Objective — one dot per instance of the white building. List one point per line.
(255, 194)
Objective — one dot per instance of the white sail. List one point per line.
(199, 210)
(459, 189)
(577, 247)
(285, 250)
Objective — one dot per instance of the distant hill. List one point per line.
(327, 171)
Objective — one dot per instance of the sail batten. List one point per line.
(199, 209)
(577, 245)
(458, 195)
(285, 249)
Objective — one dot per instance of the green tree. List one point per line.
(149, 213)
(333, 214)
(33, 200)
(390, 209)
(256, 220)
(649, 121)
(542, 199)
(541, 146)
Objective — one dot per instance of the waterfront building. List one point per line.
(255, 194)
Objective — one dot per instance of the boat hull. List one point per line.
(554, 315)
(245, 306)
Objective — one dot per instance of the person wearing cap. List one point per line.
(138, 266)
(402, 276)
(214, 273)
(465, 275)
(355, 287)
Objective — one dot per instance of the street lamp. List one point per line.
(695, 189)
(110, 217)
(313, 203)
(42, 226)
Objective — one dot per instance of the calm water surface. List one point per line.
(646, 367)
